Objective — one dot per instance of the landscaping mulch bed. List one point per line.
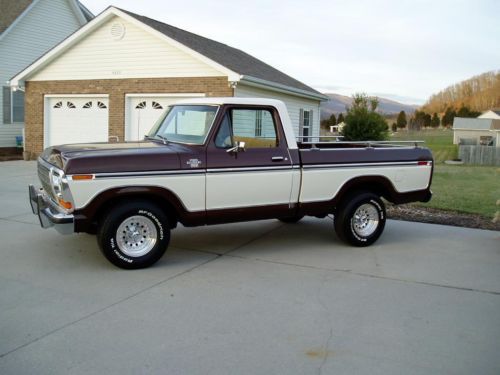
(435, 216)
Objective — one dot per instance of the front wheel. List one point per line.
(134, 235)
(361, 220)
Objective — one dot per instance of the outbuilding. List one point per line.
(113, 78)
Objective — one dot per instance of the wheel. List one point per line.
(134, 235)
(361, 220)
(291, 219)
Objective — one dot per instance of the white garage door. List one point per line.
(144, 110)
(76, 120)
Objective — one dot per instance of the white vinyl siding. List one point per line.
(293, 103)
(45, 25)
(138, 54)
(249, 121)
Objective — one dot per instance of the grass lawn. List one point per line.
(439, 141)
(465, 188)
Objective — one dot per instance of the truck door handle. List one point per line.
(277, 158)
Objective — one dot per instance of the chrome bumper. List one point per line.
(48, 214)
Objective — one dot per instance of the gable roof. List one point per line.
(236, 64)
(232, 58)
(12, 10)
(467, 123)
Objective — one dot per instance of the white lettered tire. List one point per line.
(361, 219)
(134, 234)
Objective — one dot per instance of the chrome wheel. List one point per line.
(136, 236)
(365, 220)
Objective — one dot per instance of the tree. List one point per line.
(340, 119)
(448, 117)
(435, 121)
(401, 120)
(332, 120)
(465, 111)
(362, 122)
(427, 120)
(394, 127)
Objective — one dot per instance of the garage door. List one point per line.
(76, 120)
(143, 111)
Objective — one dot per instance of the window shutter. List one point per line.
(311, 123)
(6, 105)
(301, 124)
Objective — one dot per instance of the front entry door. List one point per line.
(260, 175)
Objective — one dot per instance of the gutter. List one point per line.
(262, 83)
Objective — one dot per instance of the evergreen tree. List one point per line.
(340, 118)
(427, 120)
(435, 121)
(401, 120)
(332, 120)
(362, 122)
(448, 117)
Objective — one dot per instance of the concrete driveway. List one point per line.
(251, 298)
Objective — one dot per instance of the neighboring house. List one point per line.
(492, 114)
(28, 29)
(113, 78)
(477, 131)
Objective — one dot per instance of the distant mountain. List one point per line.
(338, 103)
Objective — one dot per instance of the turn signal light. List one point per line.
(66, 205)
(79, 177)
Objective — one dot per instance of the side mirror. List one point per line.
(240, 146)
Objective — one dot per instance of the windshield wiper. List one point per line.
(164, 139)
(156, 136)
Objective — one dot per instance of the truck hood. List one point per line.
(91, 158)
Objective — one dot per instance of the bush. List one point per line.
(362, 123)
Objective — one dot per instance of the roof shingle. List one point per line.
(10, 10)
(234, 59)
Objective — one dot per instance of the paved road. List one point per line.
(252, 298)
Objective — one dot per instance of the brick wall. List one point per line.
(116, 89)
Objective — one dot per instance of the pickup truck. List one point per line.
(221, 160)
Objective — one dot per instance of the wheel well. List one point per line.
(380, 186)
(157, 200)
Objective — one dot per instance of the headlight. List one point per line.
(56, 180)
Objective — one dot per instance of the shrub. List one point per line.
(362, 123)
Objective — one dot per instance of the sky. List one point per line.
(398, 49)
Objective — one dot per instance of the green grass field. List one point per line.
(439, 141)
(472, 189)
(464, 188)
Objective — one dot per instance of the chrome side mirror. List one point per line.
(240, 146)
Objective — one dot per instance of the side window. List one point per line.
(255, 127)
(305, 124)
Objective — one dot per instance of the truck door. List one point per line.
(259, 173)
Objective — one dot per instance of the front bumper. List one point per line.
(48, 213)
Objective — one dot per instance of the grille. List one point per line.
(43, 175)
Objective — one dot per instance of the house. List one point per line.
(28, 29)
(491, 114)
(483, 130)
(114, 77)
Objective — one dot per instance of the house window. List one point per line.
(87, 105)
(58, 105)
(101, 105)
(141, 105)
(486, 140)
(305, 124)
(13, 105)
(258, 123)
(71, 105)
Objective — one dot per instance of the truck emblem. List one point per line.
(194, 163)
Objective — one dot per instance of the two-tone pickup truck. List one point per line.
(221, 160)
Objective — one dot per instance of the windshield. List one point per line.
(185, 124)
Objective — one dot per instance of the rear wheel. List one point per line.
(134, 235)
(361, 220)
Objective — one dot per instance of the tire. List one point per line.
(291, 219)
(134, 235)
(361, 220)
